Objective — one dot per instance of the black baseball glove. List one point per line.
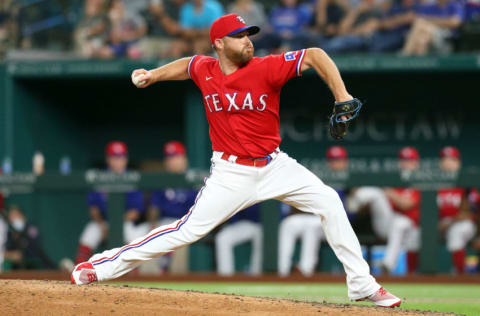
(343, 113)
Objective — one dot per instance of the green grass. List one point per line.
(456, 298)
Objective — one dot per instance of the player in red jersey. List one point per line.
(404, 231)
(454, 212)
(241, 95)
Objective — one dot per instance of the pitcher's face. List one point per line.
(238, 48)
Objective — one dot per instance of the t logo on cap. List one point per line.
(229, 25)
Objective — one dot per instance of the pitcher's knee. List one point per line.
(193, 233)
(328, 203)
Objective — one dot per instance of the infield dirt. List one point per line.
(33, 297)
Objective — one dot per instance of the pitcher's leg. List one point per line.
(214, 204)
(344, 242)
(306, 192)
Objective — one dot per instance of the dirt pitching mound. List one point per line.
(23, 297)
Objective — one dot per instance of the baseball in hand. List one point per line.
(138, 80)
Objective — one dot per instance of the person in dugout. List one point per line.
(455, 217)
(405, 202)
(305, 227)
(171, 204)
(96, 230)
(243, 227)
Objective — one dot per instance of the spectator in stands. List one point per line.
(243, 227)
(91, 34)
(137, 7)
(356, 30)
(23, 247)
(196, 16)
(456, 221)
(404, 230)
(394, 26)
(126, 29)
(171, 204)
(96, 230)
(472, 10)
(287, 29)
(436, 23)
(306, 227)
(163, 39)
(329, 15)
(252, 11)
(8, 27)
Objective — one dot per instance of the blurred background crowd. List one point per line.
(145, 29)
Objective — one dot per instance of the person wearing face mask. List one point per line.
(23, 247)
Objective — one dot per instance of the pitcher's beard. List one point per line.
(242, 57)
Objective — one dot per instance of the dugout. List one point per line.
(74, 107)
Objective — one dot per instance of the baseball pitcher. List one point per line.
(241, 95)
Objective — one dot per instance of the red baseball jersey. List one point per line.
(409, 193)
(448, 201)
(243, 108)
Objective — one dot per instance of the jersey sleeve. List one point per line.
(198, 67)
(192, 67)
(134, 201)
(284, 67)
(97, 199)
(191, 197)
(415, 197)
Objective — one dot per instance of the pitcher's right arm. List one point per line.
(176, 70)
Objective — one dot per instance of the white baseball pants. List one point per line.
(380, 208)
(404, 234)
(307, 228)
(3, 240)
(132, 231)
(176, 264)
(233, 235)
(92, 235)
(232, 187)
(459, 233)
